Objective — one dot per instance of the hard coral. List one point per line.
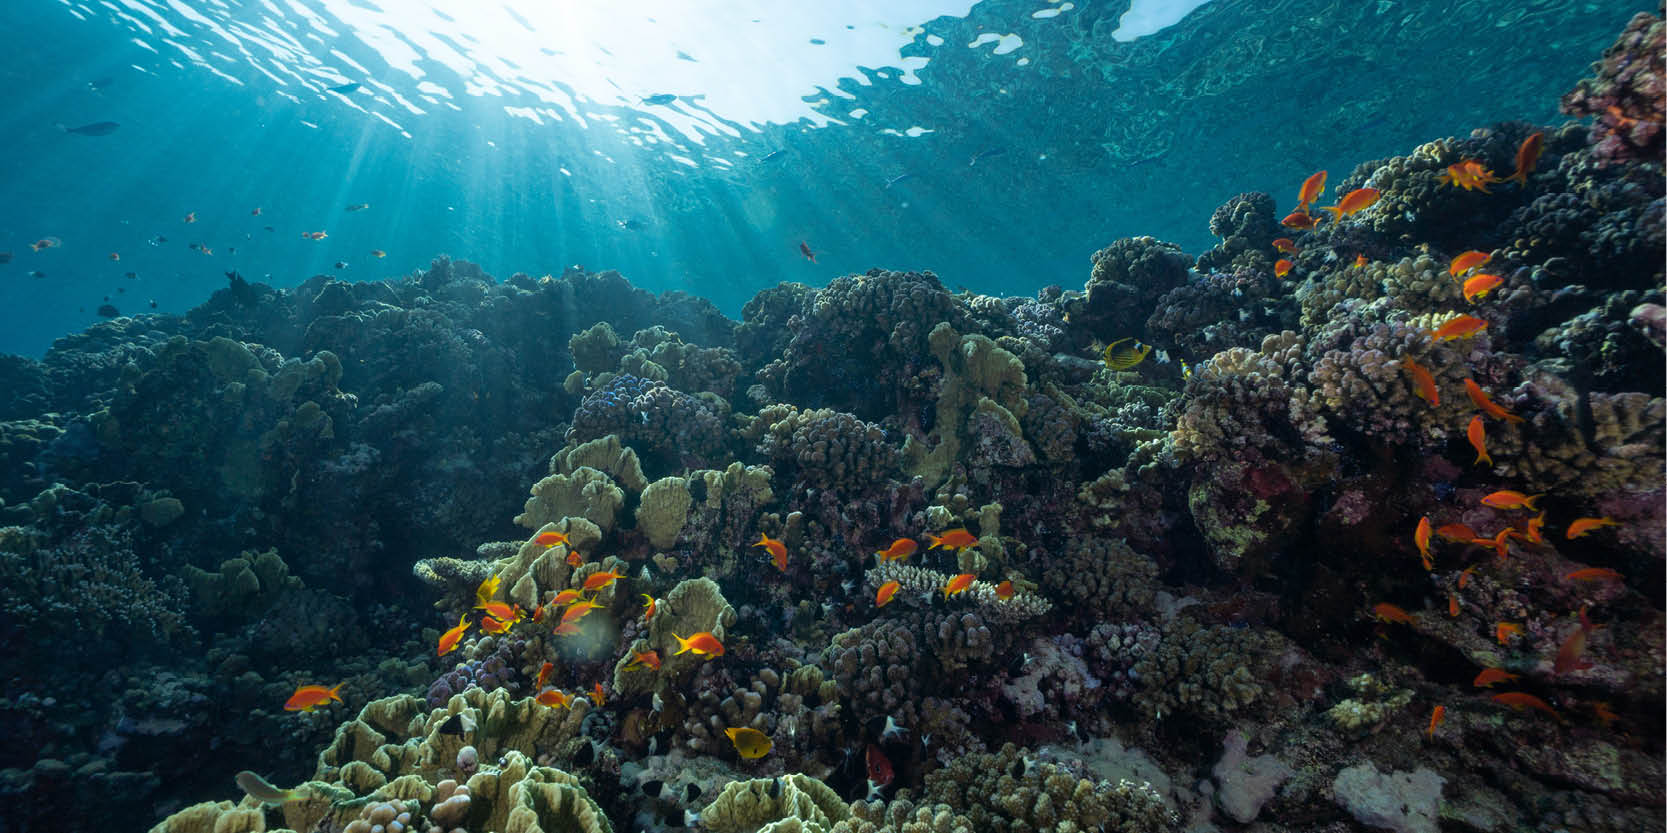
(1625, 94)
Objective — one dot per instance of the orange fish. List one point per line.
(1528, 155)
(1004, 590)
(1464, 575)
(1477, 432)
(566, 597)
(1421, 537)
(1423, 384)
(597, 581)
(487, 588)
(1468, 174)
(309, 697)
(555, 698)
(494, 625)
(115, 256)
(703, 643)
(1503, 631)
(1452, 605)
(1466, 262)
(543, 675)
(1282, 268)
(449, 639)
(804, 249)
(958, 584)
(954, 539)
(509, 613)
(1478, 285)
(567, 629)
(1354, 202)
(649, 659)
(1581, 526)
(1488, 406)
(776, 549)
(1507, 499)
(1360, 260)
(1531, 529)
(1595, 574)
(900, 550)
(1285, 245)
(1391, 614)
(648, 607)
(1603, 713)
(1489, 676)
(1570, 652)
(596, 689)
(550, 539)
(1519, 701)
(1311, 188)
(884, 595)
(190, 217)
(1298, 219)
(575, 558)
(1501, 542)
(1462, 326)
(1456, 532)
(1435, 719)
(577, 611)
(378, 253)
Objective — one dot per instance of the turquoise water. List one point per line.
(1025, 162)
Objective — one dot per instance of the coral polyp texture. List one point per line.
(1368, 540)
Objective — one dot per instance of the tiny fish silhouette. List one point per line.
(97, 128)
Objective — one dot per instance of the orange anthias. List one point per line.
(641, 659)
(1503, 631)
(1466, 262)
(550, 539)
(1477, 433)
(494, 625)
(508, 613)
(555, 698)
(1488, 676)
(1391, 614)
(1574, 647)
(1480, 398)
(1423, 384)
(1594, 574)
(1421, 537)
(309, 697)
(597, 581)
(899, 550)
(1508, 499)
(1519, 701)
(1004, 590)
(1298, 219)
(1436, 715)
(596, 689)
(543, 675)
(1469, 174)
(886, 593)
(577, 611)
(1285, 245)
(575, 558)
(449, 639)
(776, 549)
(703, 643)
(1282, 267)
(1461, 326)
(1354, 202)
(1311, 188)
(566, 597)
(1528, 155)
(1477, 286)
(958, 584)
(954, 539)
(1581, 526)
(1455, 532)
(649, 606)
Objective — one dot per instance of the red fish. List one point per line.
(597, 581)
(958, 584)
(1004, 590)
(1423, 384)
(1456, 532)
(449, 639)
(1488, 676)
(1462, 326)
(900, 550)
(1285, 245)
(1581, 526)
(1452, 605)
(776, 549)
(1519, 701)
(879, 768)
(1468, 174)
(555, 698)
(567, 629)
(1477, 286)
(1477, 433)
(1501, 542)
(650, 659)
(1282, 268)
(1574, 647)
(1488, 406)
(1391, 614)
(886, 593)
(1467, 261)
(1435, 719)
(1595, 574)
(550, 539)
(1298, 219)
(804, 249)
(1528, 155)
(1311, 188)
(575, 558)
(1464, 575)
(1360, 260)
(649, 606)
(1354, 202)
(309, 697)
(703, 643)
(566, 597)
(954, 539)
(494, 625)
(1421, 537)
(543, 675)
(596, 689)
(1503, 631)
(1507, 499)
(503, 611)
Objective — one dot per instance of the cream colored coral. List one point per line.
(663, 511)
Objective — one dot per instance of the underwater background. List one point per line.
(423, 415)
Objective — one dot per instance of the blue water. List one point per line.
(1079, 138)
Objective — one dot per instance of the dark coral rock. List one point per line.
(1247, 227)
(1128, 279)
(1236, 309)
(1625, 94)
(671, 429)
(825, 448)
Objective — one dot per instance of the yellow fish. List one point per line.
(749, 743)
(1123, 358)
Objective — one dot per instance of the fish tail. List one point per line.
(1336, 212)
(1482, 457)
